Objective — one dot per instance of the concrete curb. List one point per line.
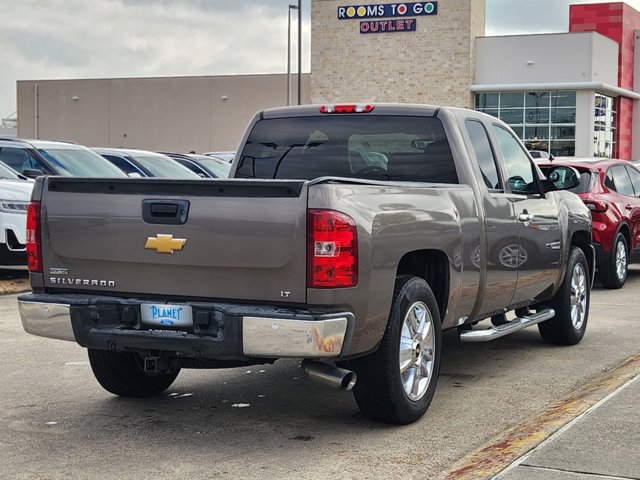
(492, 458)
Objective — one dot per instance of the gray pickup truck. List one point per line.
(349, 236)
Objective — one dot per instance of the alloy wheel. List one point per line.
(578, 296)
(621, 260)
(417, 350)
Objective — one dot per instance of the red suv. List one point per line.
(611, 190)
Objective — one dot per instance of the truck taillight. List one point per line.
(332, 250)
(34, 250)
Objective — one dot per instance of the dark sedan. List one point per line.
(204, 166)
(140, 163)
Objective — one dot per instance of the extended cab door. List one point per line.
(496, 254)
(540, 239)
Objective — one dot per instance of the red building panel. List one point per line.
(617, 21)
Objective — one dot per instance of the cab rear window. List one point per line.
(394, 148)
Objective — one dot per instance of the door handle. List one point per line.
(629, 207)
(165, 212)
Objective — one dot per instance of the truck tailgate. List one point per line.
(229, 239)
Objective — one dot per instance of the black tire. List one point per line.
(379, 391)
(570, 322)
(121, 374)
(608, 272)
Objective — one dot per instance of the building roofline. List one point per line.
(599, 86)
(158, 77)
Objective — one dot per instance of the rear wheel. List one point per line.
(397, 382)
(613, 274)
(571, 304)
(121, 373)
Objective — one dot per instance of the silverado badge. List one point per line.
(162, 243)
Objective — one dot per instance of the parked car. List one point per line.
(141, 163)
(226, 156)
(33, 158)
(539, 154)
(203, 165)
(15, 193)
(611, 190)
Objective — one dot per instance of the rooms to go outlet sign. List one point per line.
(391, 13)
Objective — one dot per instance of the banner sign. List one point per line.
(387, 10)
(394, 25)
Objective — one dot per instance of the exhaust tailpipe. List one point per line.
(329, 374)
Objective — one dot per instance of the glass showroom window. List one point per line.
(544, 120)
(604, 126)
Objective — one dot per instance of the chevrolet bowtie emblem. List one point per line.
(165, 243)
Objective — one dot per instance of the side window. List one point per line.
(122, 164)
(390, 147)
(635, 179)
(191, 166)
(608, 180)
(484, 154)
(20, 159)
(518, 167)
(622, 181)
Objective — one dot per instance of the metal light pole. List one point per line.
(299, 52)
(291, 7)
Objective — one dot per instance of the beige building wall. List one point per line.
(170, 113)
(76, 110)
(433, 65)
(160, 113)
(526, 59)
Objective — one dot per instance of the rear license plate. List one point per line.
(164, 315)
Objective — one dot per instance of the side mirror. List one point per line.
(563, 178)
(32, 173)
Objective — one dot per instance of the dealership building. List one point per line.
(574, 93)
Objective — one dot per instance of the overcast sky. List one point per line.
(50, 39)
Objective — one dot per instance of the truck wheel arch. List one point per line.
(433, 267)
(582, 240)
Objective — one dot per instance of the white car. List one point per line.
(15, 193)
(226, 156)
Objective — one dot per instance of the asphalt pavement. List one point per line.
(521, 407)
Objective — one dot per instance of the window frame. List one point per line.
(623, 168)
(498, 167)
(536, 182)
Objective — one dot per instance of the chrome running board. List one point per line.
(515, 325)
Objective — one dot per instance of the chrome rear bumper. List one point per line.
(273, 337)
(229, 331)
(51, 320)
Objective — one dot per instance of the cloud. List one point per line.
(132, 38)
(511, 17)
